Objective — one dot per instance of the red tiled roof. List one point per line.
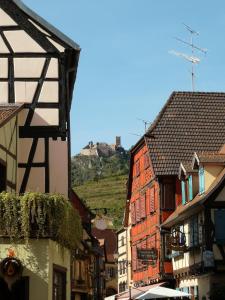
(7, 111)
(110, 239)
(190, 121)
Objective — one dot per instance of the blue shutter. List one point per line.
(183, 192)
(201, 180)
(220, 226)
(190, 187)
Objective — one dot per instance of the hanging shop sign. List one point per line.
(148, 262)
(177, 240)
(11, 270)
(147, 254)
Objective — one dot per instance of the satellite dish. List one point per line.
(100, 224)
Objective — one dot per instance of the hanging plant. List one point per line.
(36, 215)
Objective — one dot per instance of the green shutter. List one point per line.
(183, 192)
(190, 187)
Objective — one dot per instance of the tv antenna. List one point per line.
(190, 58)
(136, 134)
(146, 123)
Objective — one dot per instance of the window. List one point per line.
(124, 267)
(2, 177)
(59, 283)
(194, 236)
(201, 180)
(168, 195)
(120, 267)
(111, 272)
(167, 248)
(122, 241)
(219, 226)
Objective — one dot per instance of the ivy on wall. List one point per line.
(37, 215)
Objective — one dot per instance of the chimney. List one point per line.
(118, 141)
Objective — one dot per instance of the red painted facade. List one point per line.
(146, 217)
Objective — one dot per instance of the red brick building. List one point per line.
(188, 122)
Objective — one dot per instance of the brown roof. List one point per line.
(110, 238)
(196, 203)
(189, 121)
(7, 111)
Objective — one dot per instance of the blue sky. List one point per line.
(125, 71)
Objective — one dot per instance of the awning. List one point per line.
(162, 292)
(113, 297)
(154, 291)
(134, 292)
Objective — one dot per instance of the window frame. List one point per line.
(63, 272)
(3, 185)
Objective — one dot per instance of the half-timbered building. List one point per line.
(189, 121)
(38, 66)
(197, 235)
(37, 70)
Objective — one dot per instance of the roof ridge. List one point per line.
(45, 24)
(199, 92)
(174, 93)
(160, 114)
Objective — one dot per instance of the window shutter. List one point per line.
(146, 160)
(134, 258)
(220, 226)
(152, 200)
(133, 217)
(191, 230)
(201, 180)
(138, 218)
(190, 187)
(138, 168)
(183, 192)
(142, 206)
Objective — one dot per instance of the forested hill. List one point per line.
(101, 182)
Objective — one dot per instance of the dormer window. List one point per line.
(201, 180)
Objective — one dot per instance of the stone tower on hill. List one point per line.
(102, 149)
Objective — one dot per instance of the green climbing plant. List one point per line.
(37, 215)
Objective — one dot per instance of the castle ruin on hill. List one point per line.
(102, 149)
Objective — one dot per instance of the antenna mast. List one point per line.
(146, 123)
(193, 59)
